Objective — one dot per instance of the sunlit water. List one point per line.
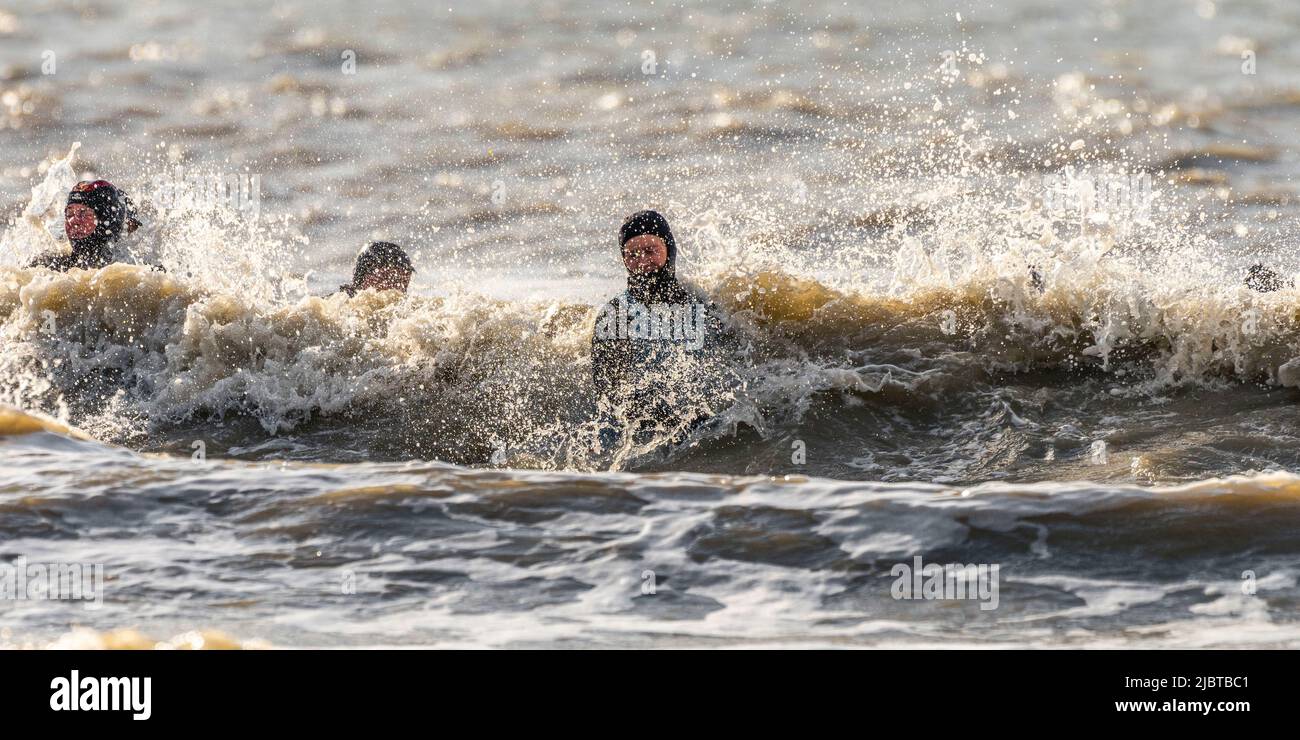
(863, 191)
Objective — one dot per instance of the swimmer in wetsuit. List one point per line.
(380, 266)
(96, 216)
(1265, 280)
(659, 349)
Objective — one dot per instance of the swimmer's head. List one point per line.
(97, 214)
(649, 255)
(381, 266)
(1263, 279)
(647, 243)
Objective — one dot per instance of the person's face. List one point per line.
(78, 221)
(386, 278)
(644, 254)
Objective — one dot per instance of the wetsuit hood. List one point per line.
(660, 286)
(377, 256)
(95, 216)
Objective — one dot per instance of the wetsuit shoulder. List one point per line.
(720, 334)
(622, 296)
(692, 291)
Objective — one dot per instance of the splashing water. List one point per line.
(989, 299)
